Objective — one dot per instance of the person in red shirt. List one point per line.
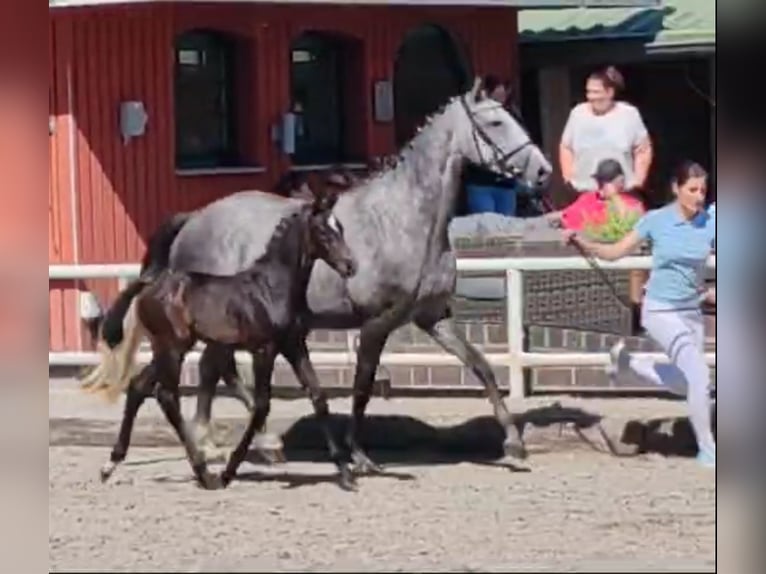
(592, 207)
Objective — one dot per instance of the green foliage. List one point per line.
(615, 226)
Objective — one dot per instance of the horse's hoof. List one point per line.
(515, 449)
(106, 471)
(347, 481)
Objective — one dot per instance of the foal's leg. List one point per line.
(442, 329)
(297, 354)
(139, 388)
(218, 362)
(263, 366)
(169, 374)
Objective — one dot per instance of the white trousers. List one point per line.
(680, 334)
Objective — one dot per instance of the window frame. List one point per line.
(221, 80)
(343, 47)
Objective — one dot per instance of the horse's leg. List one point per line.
(372, 339)
(297, 354)
(263, 366)
(169, 374)
(442, 329)
(139, 388)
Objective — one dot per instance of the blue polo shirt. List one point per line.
(680, 249)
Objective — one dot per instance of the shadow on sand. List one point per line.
(399, 440)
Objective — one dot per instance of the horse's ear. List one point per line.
(475, 92)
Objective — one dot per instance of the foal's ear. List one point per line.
(325, 201)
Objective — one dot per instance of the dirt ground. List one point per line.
(569, 507)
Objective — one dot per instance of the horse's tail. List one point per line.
(121, 330)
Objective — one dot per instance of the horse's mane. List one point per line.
(401, 155)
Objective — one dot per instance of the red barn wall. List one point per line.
(106, 196)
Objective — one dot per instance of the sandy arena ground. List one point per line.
(569, 507)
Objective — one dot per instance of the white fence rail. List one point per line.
(515, 358)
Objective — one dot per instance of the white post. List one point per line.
(515, 326)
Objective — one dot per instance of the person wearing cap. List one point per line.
(592, 206)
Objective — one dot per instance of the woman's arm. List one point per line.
(606, 251)
(642, 149)
(566, 162)
(566, 153)
(643, 154)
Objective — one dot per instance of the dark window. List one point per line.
(322, 71)
(204, 97)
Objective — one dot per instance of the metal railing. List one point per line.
(516, 359)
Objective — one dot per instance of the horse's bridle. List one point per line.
(500, 156)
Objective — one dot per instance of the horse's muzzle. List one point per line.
(346, 267)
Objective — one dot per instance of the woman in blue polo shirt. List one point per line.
(682, 234)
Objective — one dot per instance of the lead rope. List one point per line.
(593, 263)
(706, 308)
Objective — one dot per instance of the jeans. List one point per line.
(484, 199)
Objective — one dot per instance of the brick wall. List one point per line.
(488, 337)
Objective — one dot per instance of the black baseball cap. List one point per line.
(607, 171)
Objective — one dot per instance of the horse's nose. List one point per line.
(350, 267)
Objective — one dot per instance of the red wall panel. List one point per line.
(118, 53)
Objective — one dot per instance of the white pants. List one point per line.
(680, 334)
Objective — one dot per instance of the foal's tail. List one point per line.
(121, 330)
(115, 369)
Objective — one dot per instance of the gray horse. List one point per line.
(396, 225)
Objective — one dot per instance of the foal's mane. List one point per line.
(286, 225)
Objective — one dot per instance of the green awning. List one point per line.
(676, 23)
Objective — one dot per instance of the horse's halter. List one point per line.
(500, 157)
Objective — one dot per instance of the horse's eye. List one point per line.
(496, 123)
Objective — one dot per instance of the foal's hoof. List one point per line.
(212, 453)
(273, 457)
(515, 448)
(225, 478)
(211, 481)
(347, 481)
(268, 441)
(106, 471)
(364, 465)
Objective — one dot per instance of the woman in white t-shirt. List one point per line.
(603, 128)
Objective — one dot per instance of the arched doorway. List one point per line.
(430, 68)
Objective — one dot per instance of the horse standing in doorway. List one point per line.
(259, 309)
(396, 226)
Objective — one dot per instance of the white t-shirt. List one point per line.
(593, 138)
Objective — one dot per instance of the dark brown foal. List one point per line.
(258, 310)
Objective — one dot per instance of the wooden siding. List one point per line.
(102, 56)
